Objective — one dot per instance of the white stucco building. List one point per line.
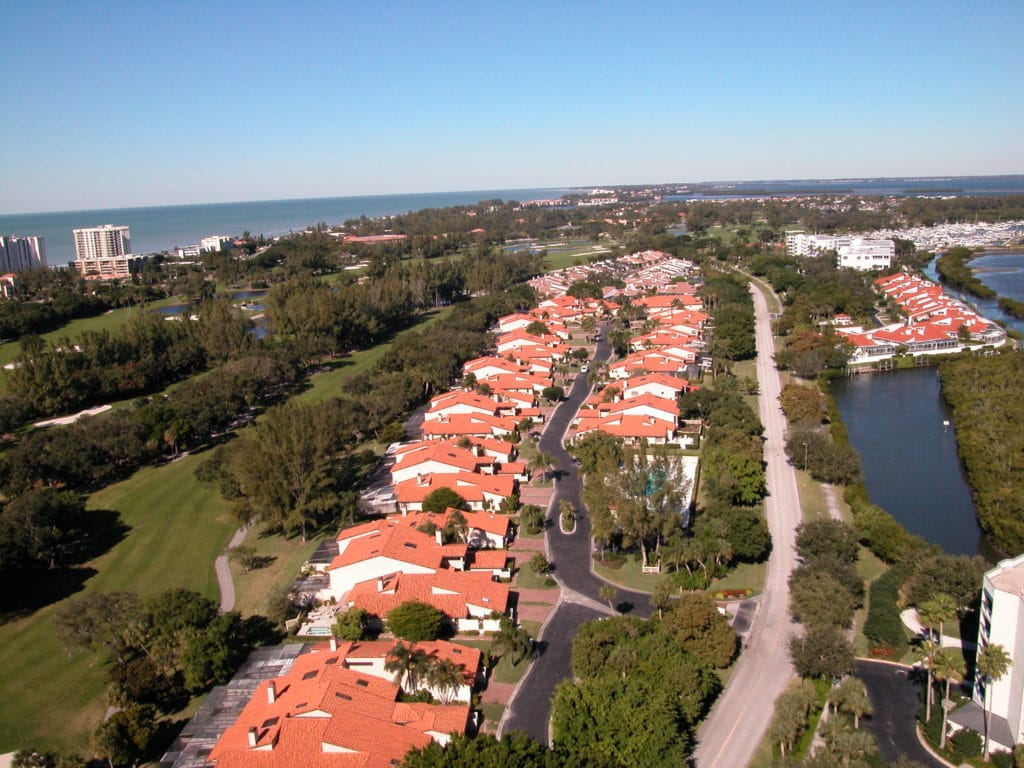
(865, 255)
(854, 252)
(103, 242)
(1001, 623)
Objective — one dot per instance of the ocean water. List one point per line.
(160, 228)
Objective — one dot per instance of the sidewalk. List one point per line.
(910, 621)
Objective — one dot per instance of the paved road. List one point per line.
(530, 709)
(894, 697)
(740, 718)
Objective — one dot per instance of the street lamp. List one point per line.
(805, 455)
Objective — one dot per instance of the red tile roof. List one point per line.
(325, 715)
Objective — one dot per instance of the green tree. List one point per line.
(286, 467)
(823, 652)
(925, 652)
(934, 613)
(456, 527)
(441, 499)
(100, 619)
(543, 462)
(993, 663)
(852, 696)
(415, 621)
(410, 665)
(540, 565)
(536, 328)
(694, 622)
(607, 593)
(352, 625)
(791, 711)
(446, 677)
(818, 598)
(825, 538)
(511, 640)
(212, 656)
(124, 737)
(947, 666)
(246, 557)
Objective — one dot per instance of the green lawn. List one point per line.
(525, 578)
(177, 528)
(630, 575)
(285, 558)
(327, 384)
(492, 712)
(743, 576)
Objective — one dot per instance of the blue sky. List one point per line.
(147, 103)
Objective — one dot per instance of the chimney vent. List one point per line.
(253, 737)
(334, 643)
(271, 693)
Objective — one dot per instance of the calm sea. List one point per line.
(162, 228)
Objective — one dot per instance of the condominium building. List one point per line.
(105, 252)
(104, 242)
(18, 253)
(214, 243)
(854, 252)
(866, 255)
(1001, 623)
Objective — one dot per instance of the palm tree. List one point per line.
(544, 462)
(446, 677)
(947, 666)
(853, 698)
(607, 592)
(993, 663)
(513, 640)
(408, 664)
(945, 609)
(925, 653)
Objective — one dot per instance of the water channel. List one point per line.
(905, 434)
(909, 456)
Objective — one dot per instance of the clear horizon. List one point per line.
(927, 177)
(176, 105)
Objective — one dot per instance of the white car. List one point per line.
(584, 368)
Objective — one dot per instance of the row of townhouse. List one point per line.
(467, 445)
(339, 704)
(935, 323)
(639, 403)
(640, 272)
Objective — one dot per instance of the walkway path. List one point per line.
(222, 567)
(830, 501)
(740, 718)
(911, 622)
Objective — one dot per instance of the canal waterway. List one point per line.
(909, 457)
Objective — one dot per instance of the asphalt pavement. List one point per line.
(895, 697)
(530, 709)
(733, 730)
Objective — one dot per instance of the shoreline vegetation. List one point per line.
(985, 397)
(954, 271)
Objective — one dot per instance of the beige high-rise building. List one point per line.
(104, 242)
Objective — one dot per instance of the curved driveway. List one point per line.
(740, 718)
(530, 709)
